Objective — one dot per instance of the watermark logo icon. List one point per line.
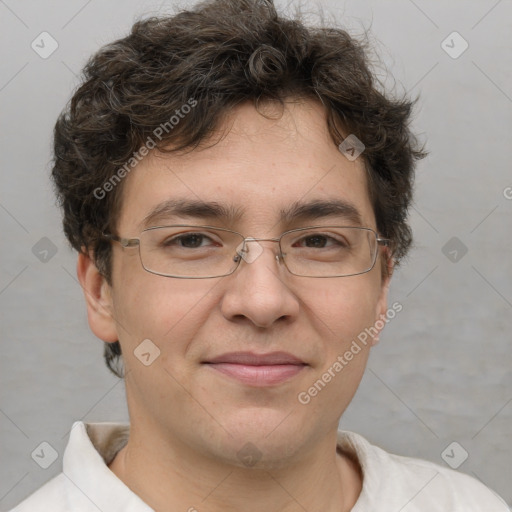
(249, 455)
(44, 45)
(146, 352)
(454, 455)
(454, 45)
(44, 250)
(249, 250)
(45, 455)
(351, 147)
(454, 249)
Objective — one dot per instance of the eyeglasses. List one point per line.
(201, 252)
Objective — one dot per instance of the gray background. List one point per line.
(443, 369)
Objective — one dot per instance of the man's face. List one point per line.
(261, 168)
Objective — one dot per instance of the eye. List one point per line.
(189, 241)
(319, 241)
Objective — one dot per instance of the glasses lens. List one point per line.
(189, 251)
(329, 251)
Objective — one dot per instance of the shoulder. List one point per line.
(52, 495)
(394, 482)
(86, 484)
(59, 494)
(448, 487)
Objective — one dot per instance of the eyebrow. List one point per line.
(318, 209)
(191, 208)
(211, 210)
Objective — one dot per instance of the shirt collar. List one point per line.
(92, 446)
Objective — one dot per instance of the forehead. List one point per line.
(256, 170)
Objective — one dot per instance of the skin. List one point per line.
(188, 422)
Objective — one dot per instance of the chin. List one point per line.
(260, 438)
(262, 455)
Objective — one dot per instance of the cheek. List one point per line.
(345, 307)
(166, 311)
(343, 313)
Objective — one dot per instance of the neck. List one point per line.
(170, 476)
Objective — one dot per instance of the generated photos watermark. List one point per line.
(370, 333)
(158, 133)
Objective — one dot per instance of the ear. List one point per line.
(98, 297)
(382, 303)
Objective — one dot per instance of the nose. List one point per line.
(258, 291)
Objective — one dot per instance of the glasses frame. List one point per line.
(237, 258)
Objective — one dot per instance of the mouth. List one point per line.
(257, 370)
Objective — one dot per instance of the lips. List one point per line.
(249, 358)
(257, 369)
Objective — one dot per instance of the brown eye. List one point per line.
(189, 241)
(319, 241)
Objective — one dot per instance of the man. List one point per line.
(237, 189)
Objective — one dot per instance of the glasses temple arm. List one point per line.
(125, 242)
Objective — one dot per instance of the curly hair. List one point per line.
(216, 56)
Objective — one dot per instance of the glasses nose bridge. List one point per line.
(242, 253)
(275, 240)
(253, 239)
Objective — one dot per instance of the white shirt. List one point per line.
(390, 483)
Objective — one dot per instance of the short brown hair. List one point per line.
(219, 54)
